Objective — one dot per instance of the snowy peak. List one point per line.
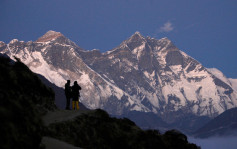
(136, 37)
(13, 41)
(135, 41)
(140, 45)
(57, 38)
(2, 44)
(165, 39)
(50, 35)
(137, 33)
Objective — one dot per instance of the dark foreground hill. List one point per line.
(24, 99)
(96, 129)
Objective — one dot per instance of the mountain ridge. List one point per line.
(141, 74)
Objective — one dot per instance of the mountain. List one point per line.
(164, 79)
(142, 74)
(25, 100)
(223, 125)
(57, 59)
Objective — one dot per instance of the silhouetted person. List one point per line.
(75, 95)
(68, 94)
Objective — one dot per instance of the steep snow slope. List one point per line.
(233, 83)
(219, 75)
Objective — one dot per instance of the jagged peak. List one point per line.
(50, 35)
(2, 43)
(150, 38)
(13, 41)
(165, 39)
(136, 36)
(138, 33)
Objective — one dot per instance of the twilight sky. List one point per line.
(204, 29)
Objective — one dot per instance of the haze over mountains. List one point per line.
(223, 125)
(141, 74)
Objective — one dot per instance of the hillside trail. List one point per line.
(61, 115)
(52, 143)
(55, 117)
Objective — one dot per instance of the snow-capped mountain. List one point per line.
(163, 78)
(141, 74)
(56, 58)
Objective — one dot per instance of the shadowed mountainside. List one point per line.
(223, 125)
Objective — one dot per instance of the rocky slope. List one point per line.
(141, 74)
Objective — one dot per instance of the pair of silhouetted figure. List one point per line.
(72, 92)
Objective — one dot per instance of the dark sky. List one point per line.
(204, 29)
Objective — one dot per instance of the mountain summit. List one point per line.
(141, 74)
(53, 37)
(137, 36)
(50, 35)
